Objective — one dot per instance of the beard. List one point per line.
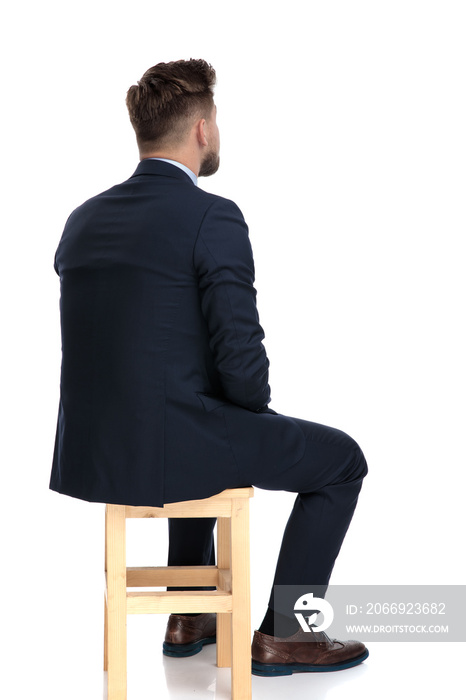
(210, 164)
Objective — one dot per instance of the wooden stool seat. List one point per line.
(230, 600)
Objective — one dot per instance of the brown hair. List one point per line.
(168, 95)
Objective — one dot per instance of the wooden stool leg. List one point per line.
(241, 687)
(116, 601)
(105, 602)
(223, 619)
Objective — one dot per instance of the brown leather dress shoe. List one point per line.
(282, 656)
(186, 634)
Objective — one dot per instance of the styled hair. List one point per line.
(166, 99)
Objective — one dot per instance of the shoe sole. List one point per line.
(260, 669)
(182, 650)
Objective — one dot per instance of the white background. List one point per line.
(343, 142)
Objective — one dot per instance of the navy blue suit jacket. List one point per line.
(164, 375)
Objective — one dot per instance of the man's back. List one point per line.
(159, 329)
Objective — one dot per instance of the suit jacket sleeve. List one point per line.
(224, 263)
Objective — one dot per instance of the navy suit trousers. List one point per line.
(327, 479)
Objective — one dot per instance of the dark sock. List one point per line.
(277, 625)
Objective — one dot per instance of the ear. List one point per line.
(201, 132)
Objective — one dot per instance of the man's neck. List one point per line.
(186, 156)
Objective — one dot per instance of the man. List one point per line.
(164, 384)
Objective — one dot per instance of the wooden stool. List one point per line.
(231, 600)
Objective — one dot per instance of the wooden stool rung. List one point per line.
(148, 576)
(150, 602)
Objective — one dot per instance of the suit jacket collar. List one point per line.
(159, 167)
